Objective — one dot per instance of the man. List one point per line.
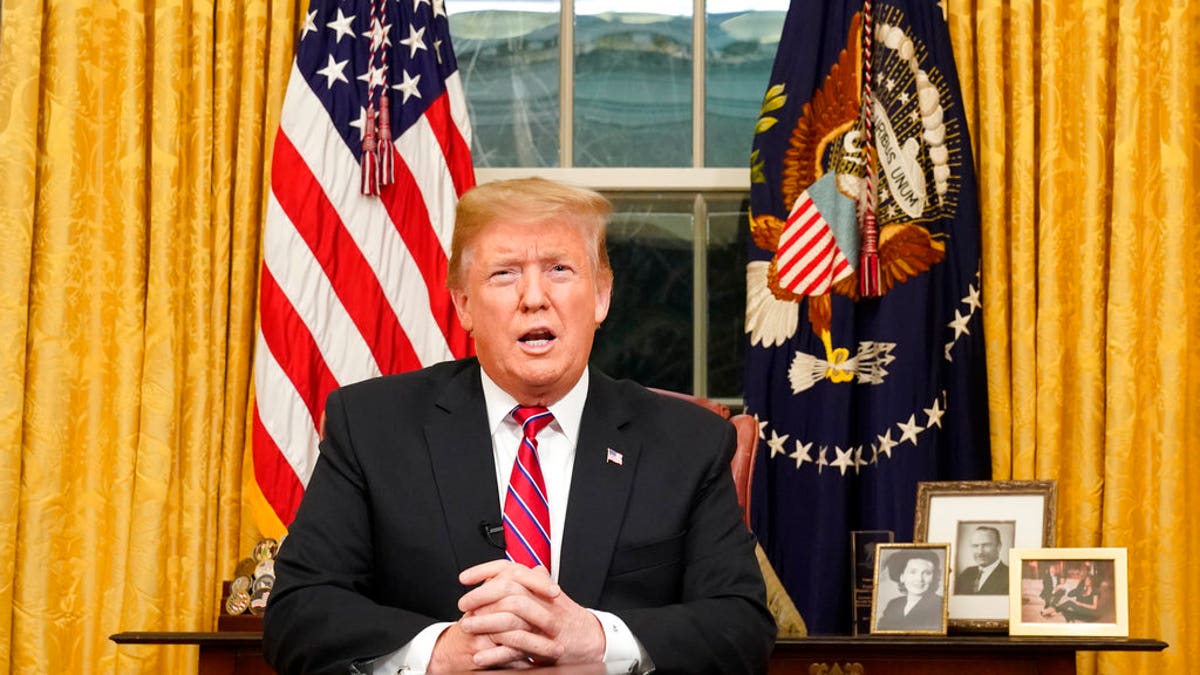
(621, 506)
(1051, 580)
(988, 576)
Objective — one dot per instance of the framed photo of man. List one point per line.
(982, 521)
(909, 596)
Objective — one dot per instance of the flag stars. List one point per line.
(935, 414)
(374, 77)
(959, 324)
(822, 459)
(886, 444)
(437, 50)
(380, 34)
(890, 84)
(333, 72)
(408, 87)
(859, 462)
(361, 122)
(762, 425)
(972, 299)
(415, 40)
(341, 25)
(844, 460)
(310, 24)
(801, 455)
(439, 8)
(776, 444)
(909, 430)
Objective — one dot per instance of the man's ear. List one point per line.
(604, 287)
(461, 308)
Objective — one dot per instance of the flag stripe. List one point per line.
(274, 475)
(287, 419)
(352, 276)
(287, 336)
(300, 277)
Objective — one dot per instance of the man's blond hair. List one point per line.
(534, 201)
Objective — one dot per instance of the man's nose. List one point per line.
(533, 291)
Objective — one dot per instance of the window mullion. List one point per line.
(566, 84)
(699, 33)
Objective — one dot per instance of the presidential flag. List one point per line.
(372, 154)
(865, 362)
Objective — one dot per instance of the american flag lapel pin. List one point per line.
(614, 457)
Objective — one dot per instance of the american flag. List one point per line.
(352, 284)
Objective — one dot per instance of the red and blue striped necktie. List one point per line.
(526, 510)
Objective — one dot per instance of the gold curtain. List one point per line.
(132, 146)
(1084, 119)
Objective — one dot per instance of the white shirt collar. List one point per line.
(567, 411)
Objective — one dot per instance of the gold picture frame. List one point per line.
(918, 608)
(971, 515)
(1069, 592)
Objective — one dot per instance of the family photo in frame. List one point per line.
(910, 589)
(1069, 591)
(981, 522)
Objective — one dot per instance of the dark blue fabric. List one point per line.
(840, 467)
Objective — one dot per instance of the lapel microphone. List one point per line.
(493, 533)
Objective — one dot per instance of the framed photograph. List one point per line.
(909, 596)
(982, 521)
(1068, 591)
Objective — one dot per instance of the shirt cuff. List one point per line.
(623, 652)
(412, 657)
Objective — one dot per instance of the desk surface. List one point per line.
(969, 643)
(865, 643)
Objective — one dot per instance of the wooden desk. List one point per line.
(240, 653)
(221, 653)
(918, 655)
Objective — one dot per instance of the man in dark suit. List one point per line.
(988, 576)
(405, 556)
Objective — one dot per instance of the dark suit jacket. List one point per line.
(996, 584)
(406, 476)
(926, 615)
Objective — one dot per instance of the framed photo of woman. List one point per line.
(910, 589)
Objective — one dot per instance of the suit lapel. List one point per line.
(464, 469)
(599, 491)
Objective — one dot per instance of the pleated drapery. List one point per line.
(1084, 120)
(132, 145)
(134, 139)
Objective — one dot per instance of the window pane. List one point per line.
(633, 85)
(648, 334)
(741, 45)
(728, 227)
(508, 58)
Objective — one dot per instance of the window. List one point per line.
(612, 95)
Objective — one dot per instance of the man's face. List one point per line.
(985, 547)
(532, 301)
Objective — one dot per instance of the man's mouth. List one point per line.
(537, 338)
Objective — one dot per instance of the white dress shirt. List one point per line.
(556, 455)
